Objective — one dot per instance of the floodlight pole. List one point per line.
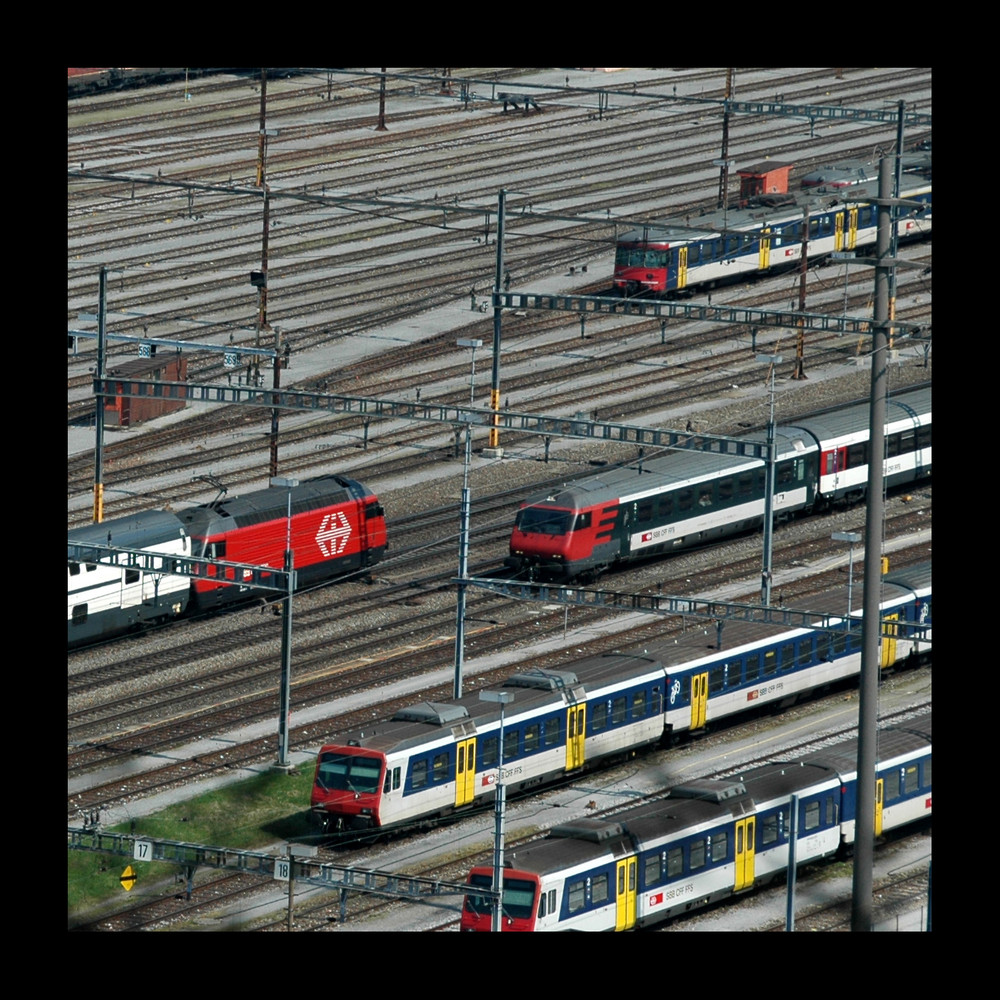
(502, 698)
(102, 314)
(285, 706)
(852, 538)
(766, 576)
(463, 544)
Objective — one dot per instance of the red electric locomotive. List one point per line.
(337, 527)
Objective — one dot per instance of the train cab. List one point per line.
(553, 540)
(347, 788)
(522, 901)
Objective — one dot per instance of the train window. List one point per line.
(131, 576)
(685, 499)
(532, 737)
(599, 889)
(440, 768)
(907, 779)
(890, 785)
(543, 521)
(599, 716)
(768, 826)
(753, 666)
(546, 902)
(726, 489)
(716, 678)
(907, 441)
(510, 742)
(892, 446)
(697, 854)
(665, 506)
(638, 704)
(575, 896)
(805, 655)
(705, 498)
(927, 773)
(786, 473)
(618, 710)
(74, 569)
(488, 752)
(857, 454)
(395, 778)
(923, 437)
(787, 658)
(720, 846)
(656, 701)
(810, 816)
(651, 870)
(582, 521)
(553, 731)
(838, 644)
(831, 810)
(387, 784)
(644, 511)
(675, 862)
(418, 775)
(79, 614)
(770, 662)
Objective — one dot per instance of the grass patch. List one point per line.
(248, 815)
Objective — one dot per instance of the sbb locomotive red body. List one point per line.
(337, 527)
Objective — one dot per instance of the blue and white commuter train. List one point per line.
(708, 840)
(441, 758)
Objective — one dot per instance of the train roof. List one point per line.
(828, 188)
(899, 741)
(782, 778)
(626, 481)
(916, 578)
(136, 531)
(272, 503)
(902, 408)
(416, 724)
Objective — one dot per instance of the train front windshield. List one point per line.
(339, 772)
(538, 520)
(518, 897)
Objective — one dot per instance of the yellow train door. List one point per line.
(465, 771)
(765, 249)
(746, 830)
(625, 895)
(576, 727)
(682, 267)
(890, 633)
(852, 228)
(699, 700)
(878, 807)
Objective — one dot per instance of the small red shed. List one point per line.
(124, 411)
(764, 178)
